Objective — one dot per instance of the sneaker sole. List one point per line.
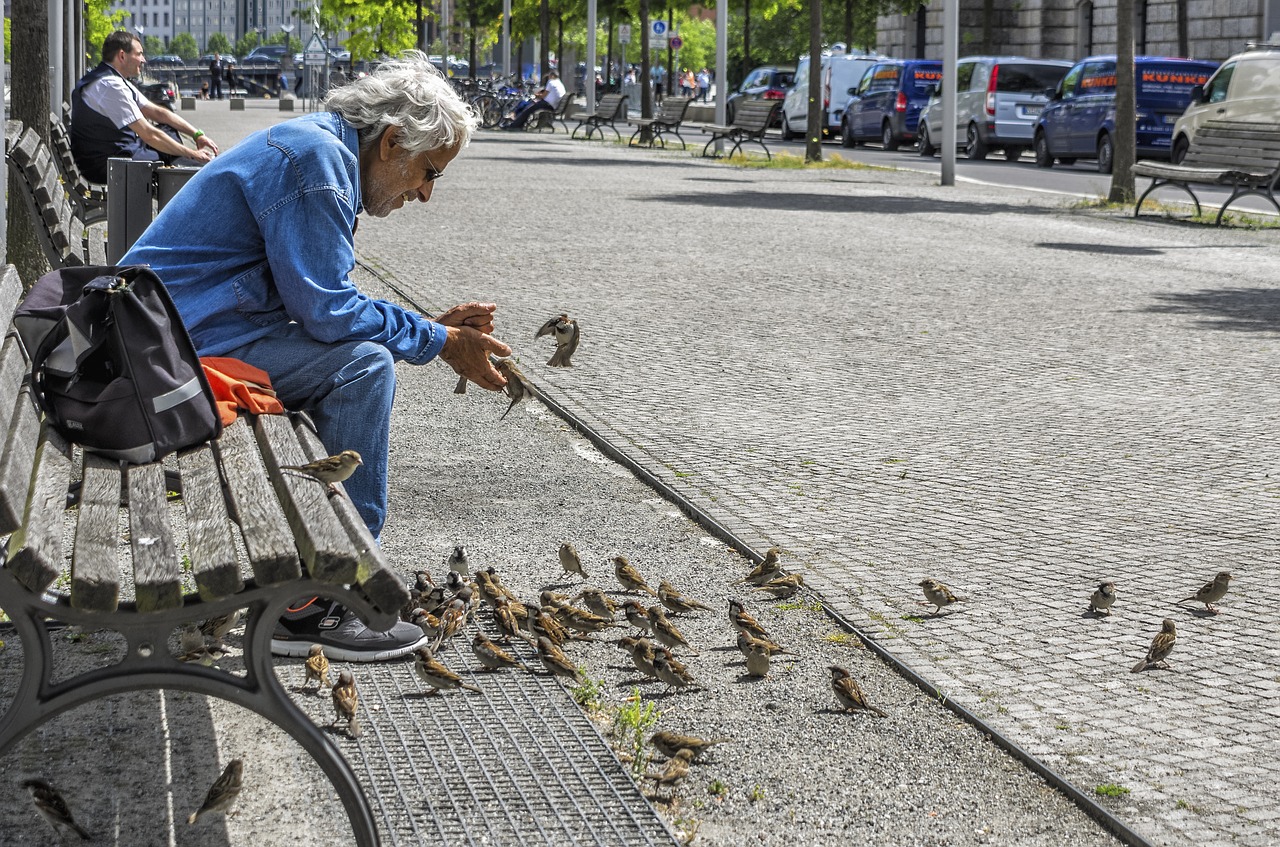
(298, 649)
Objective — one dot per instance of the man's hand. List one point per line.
(467, 350)
(478, 316)
(204, 142)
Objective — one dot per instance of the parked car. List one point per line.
(887, 104)
(266, 53)
(1079, 120)
(165, 60)
(1246, 88)
(841, 74)
(160, 93)
(998, 99)
(227, 59)
(769, 82)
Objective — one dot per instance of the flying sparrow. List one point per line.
(849, 694)
(555, 661)
(938, 594)
(54, 809)
(758, 659)
(770, 567)
(570, 561)
(1102, 598)
(782, 587)
(744, 622)
(431, 671)
(457, 561)
(598, 603)
(317, 668)
(747, 642)
(517, 387)
(676, 769)
(223, 793)
(665, 631)
(670, 743)
(670, 671)
(641, 652)
(1211, 592)
(491, 656)
(637, 616)
(675, 601)
(1161, 647)
(345, 700)
(565, 330)
(629, 578)
(330, 470)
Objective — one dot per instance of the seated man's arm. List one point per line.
(159, 141)
(161, 115)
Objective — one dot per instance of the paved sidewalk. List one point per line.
(894, 380)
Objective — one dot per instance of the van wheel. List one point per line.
(974, 147)
(1013, 153)
(1106, 154)
(926, 147)
(887, 138)
(787, 134)
(1041, 147)
(1180, 146)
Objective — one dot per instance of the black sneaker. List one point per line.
(344, 636)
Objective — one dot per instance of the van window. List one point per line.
(882, 78)
(965, 77)
(802, 74)
(1070, 82)
(1215, 90)
(923, 78)
(1098, 78)
(1027, 78)
(1169, 85)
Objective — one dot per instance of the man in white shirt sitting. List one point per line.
(110, 117)
(545, 100)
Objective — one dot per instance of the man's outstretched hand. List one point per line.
(467, 350)
(478, 316)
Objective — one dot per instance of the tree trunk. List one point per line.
(560, 48)
(817, 115)
(746, 38)
(1184, 39)
(544, 45)
(29, 103)
(1124, 144)
(671, 62)
(646, 94)
(471, 42)
(848, 24)
(608, 57)
(988, 26)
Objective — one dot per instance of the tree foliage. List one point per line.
(218, 43)
(98, 24)
(184, 45)
(153, 45)
(377, 27)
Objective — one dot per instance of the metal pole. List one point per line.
(722, 67)
(506, 38)
(589, 77)
(950, 53)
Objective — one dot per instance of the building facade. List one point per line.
(202, 18)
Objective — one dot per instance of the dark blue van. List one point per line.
(886, 107)
(1078, 122)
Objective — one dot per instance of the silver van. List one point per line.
(998, 99)
(841, 74)
(1245, 87)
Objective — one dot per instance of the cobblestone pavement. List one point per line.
(895, 380)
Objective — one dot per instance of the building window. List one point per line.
(1084, 28)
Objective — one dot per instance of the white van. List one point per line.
(841, 73)
(1245, 87)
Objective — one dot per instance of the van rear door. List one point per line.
(1163, 91)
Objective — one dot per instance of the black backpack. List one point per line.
(112, 366)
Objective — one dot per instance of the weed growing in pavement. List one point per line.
(717, 788)
(1110, 789)
(1190, 807)
(590, 694)
(801, 604)
(839, 638)
(913, 618)
(788, 162)
(756, 794)
(630, 723)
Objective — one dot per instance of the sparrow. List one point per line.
(570, 561)
(598, 603)
(565, 330)
(675, 601)
(744, 622)
(457, 561)
(1211, 592)
(452, 620)
(517, 387)
(770, 567)
(542, 625)
(671, 743)
(455, 582)
(1102, 598)
(1161, 647)
(191, 644)
(758, 659)
(637, 616)
(317, 668)
(422, 582)
(216, 628)
(677, 768)
(641, 652)
(629, 578)
(508, 624)
(431, 671)
(432, 601)
(427, 622)
(491, 656)
(670, 671)
(555, 661)
(345, 700)
(53, 808)
(583, 621)
(554, 600)
(496, 582)
(665, 631)
(330, 470)
(938, 594)
(782, 587)
(461, 387)
(489, 591)
(747, 642)
(223, 793)
(849, 694)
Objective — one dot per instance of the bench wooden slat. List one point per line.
(157, 572)
(24, 152)
(19, 458)
(323, 544)
(12, 132)
(35, 549)
(380, 583)
(95, 568)
(272, 553)
(213, 555)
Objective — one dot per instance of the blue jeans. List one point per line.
(347, 387)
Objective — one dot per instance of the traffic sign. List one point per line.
(624, 33)
(676, 42)
(315, 53)
(657, 34)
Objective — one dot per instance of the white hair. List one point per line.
(408, 93)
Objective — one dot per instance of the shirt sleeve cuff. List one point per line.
(435, 343)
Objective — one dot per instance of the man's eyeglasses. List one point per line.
(433, 174)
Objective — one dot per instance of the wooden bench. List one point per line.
(90, 199)
(65, 560)
(611, 109)
(1239, 154)
(750, 122)
(667, 122)
(547, 118)
(64, 237)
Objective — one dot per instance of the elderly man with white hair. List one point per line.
(257, 250)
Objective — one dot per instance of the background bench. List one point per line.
(666, 122)
(547, 118)
(750, 122)
(1243, 155)
(611, 109)
(89, 198)
(66, 560)
(64, 237)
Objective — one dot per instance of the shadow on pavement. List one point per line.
(1125, 250)
(875, 205)
(1238, 309)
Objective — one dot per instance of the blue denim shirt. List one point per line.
(263, 235)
